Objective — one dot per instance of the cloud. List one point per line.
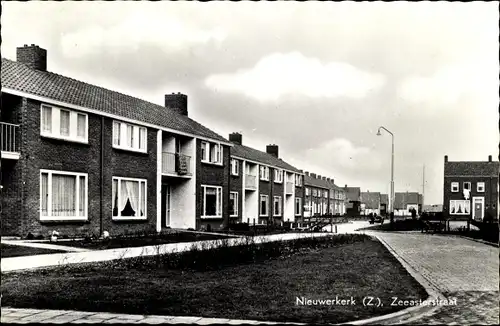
(281, 74)
(165, 31)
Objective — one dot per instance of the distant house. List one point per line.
(371, 202)
(433, 208)
(405, 201)
(384, 204)
(353, 200)
(467, 183)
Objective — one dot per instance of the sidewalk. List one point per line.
(11, 315)
(85, 256)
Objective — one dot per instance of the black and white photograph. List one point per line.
(250, 162)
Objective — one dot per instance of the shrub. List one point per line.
(30, 236)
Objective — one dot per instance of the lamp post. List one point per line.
(392, 167)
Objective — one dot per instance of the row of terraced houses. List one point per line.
(83, 159)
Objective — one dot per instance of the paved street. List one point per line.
(459, 268)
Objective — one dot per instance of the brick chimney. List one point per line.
(490, 158)
(318, 177)
(313, 175)
(235, 137)
(446, 158)
(177, 102)
(324, 178)
(33, 56)
(306, 173)
(272, 149)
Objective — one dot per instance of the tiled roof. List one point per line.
(371, 199)
(318, 183)
(19, 77)
(253, 154)
(353, 193)
(472, 168)
(384, 199)
(406, 198)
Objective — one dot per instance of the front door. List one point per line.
(166, 195)
(478, 211)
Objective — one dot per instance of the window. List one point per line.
(454, 187)
(264, 205)
(212, 201)
(129, 198)
(325, 194)
(264, 173)
(63, 195)
(277, 206)
(63, 124)
(129, 137)
(235, 167)
(315, 192)
(278, 176)
(480, 187)
(211, 153)
(459, 207)
(298, 206)
(308, 206)
(467, 186)
(298, 180)
(233, 203)
(308, 191)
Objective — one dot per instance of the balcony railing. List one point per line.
(250, 182)
(289, 188)
(9, 137)
(174, 163)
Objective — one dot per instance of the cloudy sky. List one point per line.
(318, 79)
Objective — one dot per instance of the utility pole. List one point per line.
(423, 187)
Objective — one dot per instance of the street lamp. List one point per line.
(392, 167)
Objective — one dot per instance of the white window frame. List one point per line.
(219, 201)
(138, 133)
(481, 187)
(308, 191)
(264, 173)
(207, 148)
(298, 180)
(280, 206)
(467, 202)
(325, 193)
(49, 216)
(235, 167)
(455, 186)
(267, 205)
(235, 202)
(315, 192)
(127, 218)
(278, 176)
(55, 118)
(298, 201)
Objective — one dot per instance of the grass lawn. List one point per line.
(399, 225)
(265, 290)
(139, 241)
(16, 251)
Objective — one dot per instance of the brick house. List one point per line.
(370, 203)
(470, 189)
(405, 201)
(384, 204)
(317, 195)
(264, 188)
(82, 159)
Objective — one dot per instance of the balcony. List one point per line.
(176, 164)
(289, 188)
(250, 182)
(9, 141)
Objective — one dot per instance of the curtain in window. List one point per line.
(46, 119)
(129, 197)
(219, 201)
(63, 195)
(210, 202)
(115, 197)
(44, 196)
(81, 124)
(130, 136)
(116, 133)
(81, 193)
(142, 138)
(142, 200)
(232, 204)
(64, 123)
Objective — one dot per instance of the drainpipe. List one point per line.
(102, 178)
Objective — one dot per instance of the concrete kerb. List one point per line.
(50, 246)
(409, 314)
